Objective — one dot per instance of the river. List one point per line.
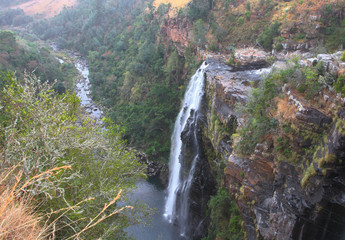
(150, 192)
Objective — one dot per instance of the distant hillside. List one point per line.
(20, 56)
(47, 8)
(174, 3)
(8, 3)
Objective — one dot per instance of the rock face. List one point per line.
(249, 57)
(224, 88)
(153, 168)
(202, 185)
(177, 31)
(273, 201)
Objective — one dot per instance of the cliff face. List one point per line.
(279, 199)
(177, 31)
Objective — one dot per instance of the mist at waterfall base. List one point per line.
(151, 192)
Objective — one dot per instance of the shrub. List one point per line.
(339, 85)
(343, 57)
(231, 60)
(258, 118)
(311, 82)
(301, 88)
(213, 46)
(240, 20)
(199, 33)
(247, 14)
(198, 9)
(279, 47)
(269, 33)
(42, 132)
(225, 218)
(220, 33)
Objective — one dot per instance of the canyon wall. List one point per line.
(276, 199)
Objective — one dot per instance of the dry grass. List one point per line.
(47, 8)
(286, 110)
(17, 217)
(174, 3)
(18, 220)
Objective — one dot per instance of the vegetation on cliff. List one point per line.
(270, 116)
(132, 62)
(226, 218)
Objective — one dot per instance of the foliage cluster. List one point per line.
(259, 120)
(41, 131)
(199, 9)
(266, 38)
(17, 55)
(339, 85)
(132, 73)
(14, 17)
(226, 221)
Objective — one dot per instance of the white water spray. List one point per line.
(191, 103)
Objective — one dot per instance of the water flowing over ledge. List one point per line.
(179, 184)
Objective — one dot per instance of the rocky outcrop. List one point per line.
(250, 57)
(224, 88)
(291, 45)
(331, 62)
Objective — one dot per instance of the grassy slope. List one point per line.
(174, 3)
(242, 21)
(46, 8)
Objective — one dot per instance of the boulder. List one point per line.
(250, 57)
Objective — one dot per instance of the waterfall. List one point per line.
(180, 179)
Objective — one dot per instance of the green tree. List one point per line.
(270, 32)
(199, 32)
(174, 68)
(199, 9)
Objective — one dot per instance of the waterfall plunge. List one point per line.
(179, 187)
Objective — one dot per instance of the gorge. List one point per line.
(240, 102)
(206, 120)
(261, 186)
